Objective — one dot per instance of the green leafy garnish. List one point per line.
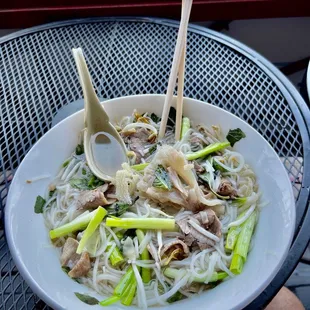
(84, 171)
(81, 184)
(162, 179)
(66, 163)
(89, 300)
(155, 118)
(218, 167)
(79, 150)
(152, 149)
(51, 193)
(117, 208)
(65, 269)
(94, 182)
(176, 297)
(39, 204)
(234, 135)
(86, 184)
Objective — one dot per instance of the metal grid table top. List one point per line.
(133, 56)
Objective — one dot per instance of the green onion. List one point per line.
(208, 150)
(129, 293)
(244, 239)
(116, 258)
(124, 282)
(109, 301)
(236, 265)
(145, 255)
(243, 243)
(66, 163)
(233, 234)
(92, 226)
(140, 167)
(175, 273)
(141, 223)
(79, 223)
(186, 125)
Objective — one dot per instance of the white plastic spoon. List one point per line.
(105, 150)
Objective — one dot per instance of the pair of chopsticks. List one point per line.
(177, 71)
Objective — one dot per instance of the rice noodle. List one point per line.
(62, 200)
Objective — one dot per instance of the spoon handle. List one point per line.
(90, 96)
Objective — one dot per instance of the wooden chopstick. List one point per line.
(179, 106)
(186, 8)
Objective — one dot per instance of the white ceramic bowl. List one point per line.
(38, 261)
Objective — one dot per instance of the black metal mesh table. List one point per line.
(132, 56)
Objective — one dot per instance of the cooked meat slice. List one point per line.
(208, 220)
(169, 157)
(226, 189)
(93, 198)
(136, 141)
(174, 250)
(82, 266)
(198, 168)
(79, 264)
(68, 254)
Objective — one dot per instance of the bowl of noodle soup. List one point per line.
(262, 188)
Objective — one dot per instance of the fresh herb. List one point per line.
(85, 184)
(234, 135)
(129, 233)
(152, 149)
(66, 163)
(51, 193)
(39, 204)
(84, 171)
(172, 116)
(89, 300)
(94, 182)
(176, 297)
(218, 167)
(81, 184)
(162, 179)
(79, 150)
(117, 208)
(155, 118)
(65, 269)
(205, 177)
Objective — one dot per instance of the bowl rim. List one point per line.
(45, 296)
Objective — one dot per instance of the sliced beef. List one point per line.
(79, 264)
(93, 198)
(136, 141)
(226, 189)
(174, 250)
(81, 267)
(207, 220)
